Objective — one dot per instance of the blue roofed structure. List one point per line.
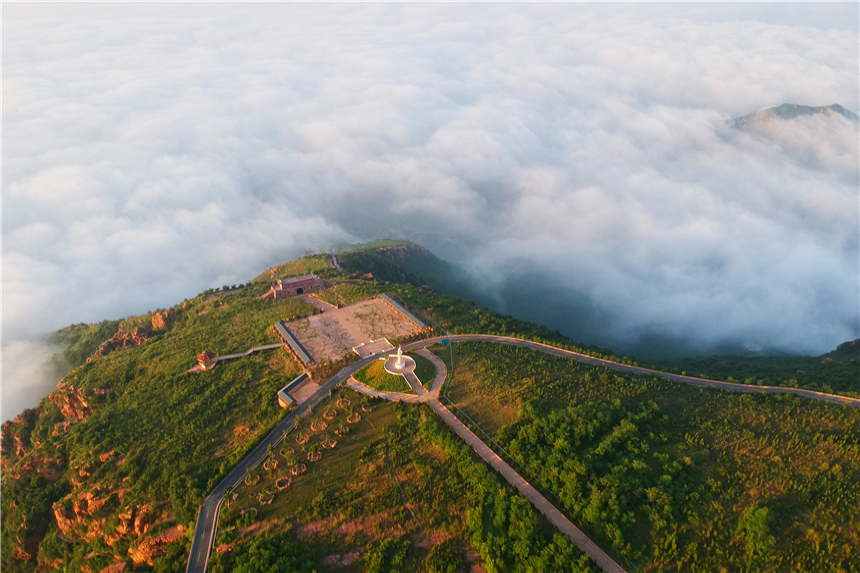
(284, 397)
(291, 342)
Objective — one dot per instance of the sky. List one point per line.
(153, 151)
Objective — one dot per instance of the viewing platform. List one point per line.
(402, 310)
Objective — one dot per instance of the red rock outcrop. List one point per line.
(144, 520)
(16, 436)
(122, 339)
(162, 319)
(150, 548)
(71, 402)
(114, 567)
(75, 514)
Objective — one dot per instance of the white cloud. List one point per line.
(201, 143)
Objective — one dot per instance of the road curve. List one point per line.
(693, 381)
(207, 519)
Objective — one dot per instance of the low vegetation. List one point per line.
(375, 376)
(348, 293)
(166, 435)
(425, 371)
(836, 372)
(671, 476)
(398, 492)
(302, 266)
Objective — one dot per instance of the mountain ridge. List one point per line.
(789, 111)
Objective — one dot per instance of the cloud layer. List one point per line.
(153, 151)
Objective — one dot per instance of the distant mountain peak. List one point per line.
(789, 111)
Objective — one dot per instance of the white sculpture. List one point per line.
(399, 362)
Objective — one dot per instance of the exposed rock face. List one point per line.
(114, 567)
(144, 520)
(77, 520)
(161, 320)
(71, 402)
(122, 339)
(150, 548)
(16, 434)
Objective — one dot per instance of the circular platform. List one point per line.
(408, 365)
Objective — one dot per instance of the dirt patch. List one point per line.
(259, 527)
(432, 539)
(376, 526)
(306, 530)
(338, 561)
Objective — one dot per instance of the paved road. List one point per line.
(207, 519)
(693, 381)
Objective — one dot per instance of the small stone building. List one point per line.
(206, 360)
(293, 286)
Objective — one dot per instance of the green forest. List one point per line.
(837, 372)
(670, 476)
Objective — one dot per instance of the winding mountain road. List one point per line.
(207, 519)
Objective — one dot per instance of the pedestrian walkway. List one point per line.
(542, 504)
(441, 371)
(392, 396)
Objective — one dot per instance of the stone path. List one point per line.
(393, 396)
(416, 385)
(249, 351)
(333, 334)
(441, 371)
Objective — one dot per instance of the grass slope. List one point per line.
(375, 376)
(399, 490)
(175, 433)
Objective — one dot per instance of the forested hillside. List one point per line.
(671, 476)
(112, 466)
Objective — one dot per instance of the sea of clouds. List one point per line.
(151, 152)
